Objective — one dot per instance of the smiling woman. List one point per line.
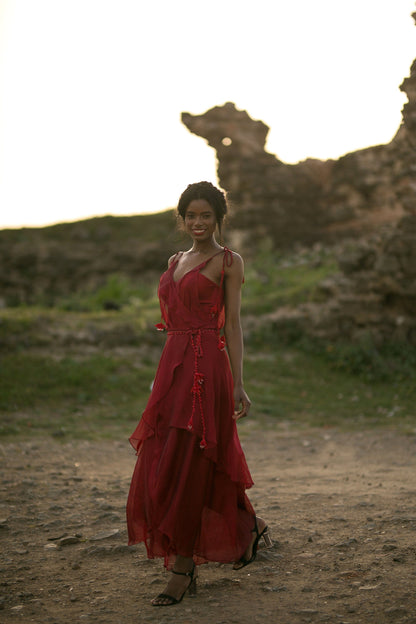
(200, 220)
(187, 498)
(92, 93)
(199, 215)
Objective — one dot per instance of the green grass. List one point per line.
(118, 292)
(101, 396)
(291, 385)
(273, 280)
(98, 396)
(35, 327)
(77, 370)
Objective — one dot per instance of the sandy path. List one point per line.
(341, 506)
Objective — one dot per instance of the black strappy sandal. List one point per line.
(243, 562)
(172, 601)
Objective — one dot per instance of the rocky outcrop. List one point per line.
(313, 200)
(271, 197)
(375, 292)
(42, 265)
(374, 296)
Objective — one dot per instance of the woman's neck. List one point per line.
(205, 247)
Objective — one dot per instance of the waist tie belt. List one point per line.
(198, 377)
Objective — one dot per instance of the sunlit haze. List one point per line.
(92, 92)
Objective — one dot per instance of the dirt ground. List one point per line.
(341, 507)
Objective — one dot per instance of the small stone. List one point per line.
(57, 537)
(105, 506)
(105, 535)
(66, 541)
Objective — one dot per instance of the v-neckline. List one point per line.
(175, 265)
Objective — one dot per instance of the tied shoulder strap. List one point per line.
(227, 260)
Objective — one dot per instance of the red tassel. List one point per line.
(198, 381)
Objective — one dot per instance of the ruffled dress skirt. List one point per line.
(187, 494)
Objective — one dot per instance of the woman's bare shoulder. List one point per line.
(233, 267)
(175, 256)
(235, 262)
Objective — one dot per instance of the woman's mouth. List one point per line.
(198, 232)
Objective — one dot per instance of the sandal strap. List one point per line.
(190, 573)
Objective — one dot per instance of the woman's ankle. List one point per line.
(183, 564)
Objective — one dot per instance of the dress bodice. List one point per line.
(194, 301)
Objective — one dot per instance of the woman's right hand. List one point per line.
(242, 403)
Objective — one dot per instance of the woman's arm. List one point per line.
(233, 333)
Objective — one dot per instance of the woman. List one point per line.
(187, 498)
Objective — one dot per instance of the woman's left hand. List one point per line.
(242, 403)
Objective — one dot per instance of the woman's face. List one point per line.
(200, 220)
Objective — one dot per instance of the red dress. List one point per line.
(187, 494)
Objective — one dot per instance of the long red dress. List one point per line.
(187, 494)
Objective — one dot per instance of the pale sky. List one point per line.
(91, 92)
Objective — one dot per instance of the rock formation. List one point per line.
(313, 200)
(377, 292)
(42, 265)
(316, 201)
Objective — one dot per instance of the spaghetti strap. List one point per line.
(205, 262)
(228, 258)
(226, 261)
(176, 258)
